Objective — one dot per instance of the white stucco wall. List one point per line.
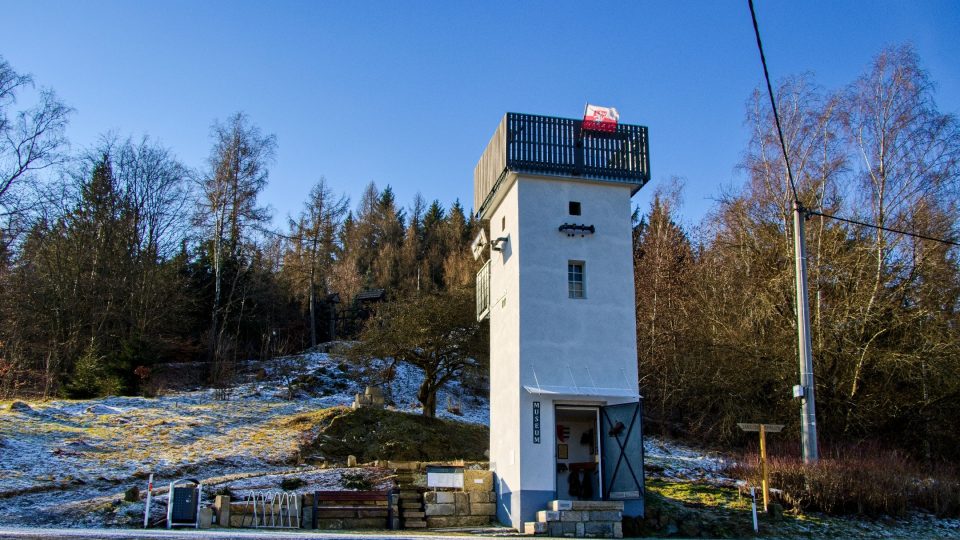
(505, 352)
(589, 342)
(541, 338)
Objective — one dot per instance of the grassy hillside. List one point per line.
(371, 434)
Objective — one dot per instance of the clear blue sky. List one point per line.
(407, 93)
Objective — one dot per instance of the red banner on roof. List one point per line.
(596, 118)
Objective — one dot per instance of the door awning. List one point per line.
(590, 391)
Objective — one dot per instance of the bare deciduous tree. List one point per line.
(314, 239)
(438, 333)
(30, 139)
(230, 215)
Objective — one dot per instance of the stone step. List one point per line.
(558, 505)
(414, 524)
(584, 529)
(548, 516)
(408, 514)
(543, 516)
(534, 527)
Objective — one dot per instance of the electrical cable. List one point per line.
(888, 229)
(773, 104)
(786, 158)
(271, 232)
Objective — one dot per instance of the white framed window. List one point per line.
(576, 279)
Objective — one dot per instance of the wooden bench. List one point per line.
(351, 509)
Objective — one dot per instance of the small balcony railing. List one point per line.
(559, 146)
(483, 292)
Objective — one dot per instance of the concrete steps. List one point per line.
(578, 519)
(410, 503)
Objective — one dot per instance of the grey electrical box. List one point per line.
(798, 391)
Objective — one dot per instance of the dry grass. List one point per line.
(878, 484)
(371, 434)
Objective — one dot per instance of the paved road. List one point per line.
(225, 534)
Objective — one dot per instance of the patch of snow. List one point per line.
(66, 451)
(313, 480)
(675, 461)
(100, 408)
(402, 393)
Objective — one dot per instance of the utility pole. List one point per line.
(805, 391)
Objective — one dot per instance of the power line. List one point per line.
(773, 104)
(888, 229)
(271, 232)
(786, 157)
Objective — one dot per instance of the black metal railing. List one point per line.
(548, 145)
(561, 146)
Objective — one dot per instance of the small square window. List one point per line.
(574, 208)
(575, 279)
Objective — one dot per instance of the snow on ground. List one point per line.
(675, 461)
(75, 455)
(314, 480)
(64, 450)
(66, 442)
(403, 393)
(66, 463)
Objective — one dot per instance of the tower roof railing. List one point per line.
(547, 145)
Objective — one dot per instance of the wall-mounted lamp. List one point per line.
(496, 245)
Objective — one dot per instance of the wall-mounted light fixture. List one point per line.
(497, 244)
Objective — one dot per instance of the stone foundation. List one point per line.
(447, 509)
(579, 519)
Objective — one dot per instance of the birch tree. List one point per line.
(32, 138)
(907, 162)
(230, 217)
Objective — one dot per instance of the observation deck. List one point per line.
(551, 146)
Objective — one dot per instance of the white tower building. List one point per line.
(558, 290)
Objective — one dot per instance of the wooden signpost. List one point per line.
(763, 429)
